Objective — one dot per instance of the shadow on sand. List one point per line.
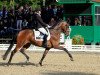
(17, 64)
(67, 73)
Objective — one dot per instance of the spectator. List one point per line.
(1, 21)
(77, 22)
(25, 23)
(68, 21)
(30, 17)
(11, 17)
(25, 12)
(4, 16)
(16, 8)
(50, 13)
(19, 18)
(60, 12)
(0, 14)
(55, 12)
(44, 14)
(52, 22)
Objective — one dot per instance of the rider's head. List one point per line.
(38, 10)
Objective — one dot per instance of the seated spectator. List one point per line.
(77, 22)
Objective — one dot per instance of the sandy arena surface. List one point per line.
(56, 63)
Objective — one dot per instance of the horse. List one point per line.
(26, 37)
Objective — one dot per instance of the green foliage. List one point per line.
(23, 2)
(4, 3)
(78, 40)
(0, 5)
(33, 3)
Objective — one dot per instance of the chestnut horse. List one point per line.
(27, 37)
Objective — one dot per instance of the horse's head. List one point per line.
(65, 28)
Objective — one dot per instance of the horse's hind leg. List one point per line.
(17, 48)
(11, 56)
(23, 52)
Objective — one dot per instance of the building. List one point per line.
(84, 16)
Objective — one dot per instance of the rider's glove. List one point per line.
(49, 26)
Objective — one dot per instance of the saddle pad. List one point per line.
(39, 36)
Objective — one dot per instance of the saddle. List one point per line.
(39, 36)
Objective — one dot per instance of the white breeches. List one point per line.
(42, 30)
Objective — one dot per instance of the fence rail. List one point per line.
(91, 48)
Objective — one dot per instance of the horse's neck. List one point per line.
(57, 28)
(55, 31)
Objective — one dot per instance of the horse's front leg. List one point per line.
(71, 58)
(62, 48)
(44, 54)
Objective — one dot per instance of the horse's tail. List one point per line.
(10, 47)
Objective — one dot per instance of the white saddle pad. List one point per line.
(39, 36)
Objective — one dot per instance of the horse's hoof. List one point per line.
(71, 59)
(40, 64)
(8, 64)
(3, 57)
(37, 65)
(27, 62)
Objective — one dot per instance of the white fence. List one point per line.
(92, 48)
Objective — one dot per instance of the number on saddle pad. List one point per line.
(39, 36)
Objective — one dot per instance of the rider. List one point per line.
(41, 26)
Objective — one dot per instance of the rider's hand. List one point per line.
(49, 26)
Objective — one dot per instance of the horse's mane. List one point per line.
(57, 23)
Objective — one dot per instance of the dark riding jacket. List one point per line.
(39, 22)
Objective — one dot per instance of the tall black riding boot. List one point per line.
(45, 41)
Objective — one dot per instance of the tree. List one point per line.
(33, 3)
